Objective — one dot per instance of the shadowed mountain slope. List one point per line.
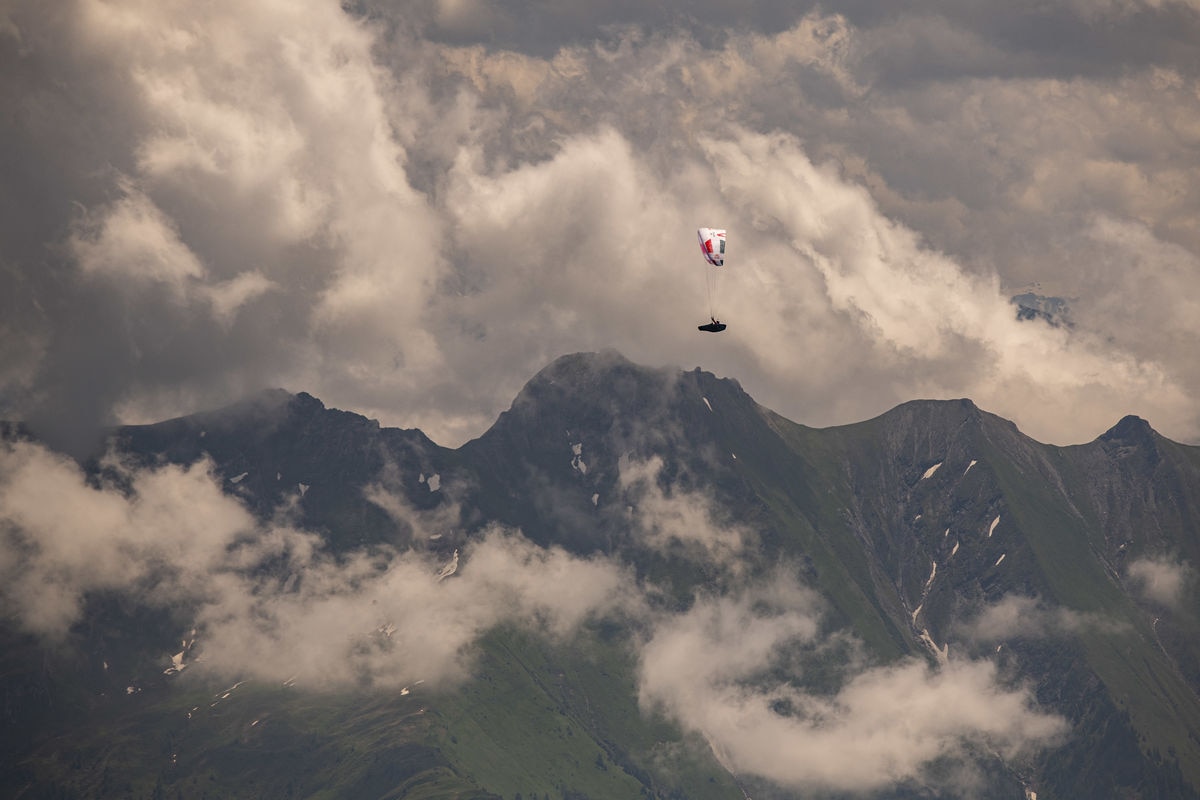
(911, 527)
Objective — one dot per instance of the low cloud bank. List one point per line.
(752, 670)
(709, 669)
(268, 600)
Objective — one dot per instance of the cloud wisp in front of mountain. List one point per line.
(677, 523)
(1024, 617)
(270, 602)
(64, 539)
(747, 667)
(716, 670)
(1162, 580)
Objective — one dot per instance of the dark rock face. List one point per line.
(908, 524)
(277, 445)
(1054, 311)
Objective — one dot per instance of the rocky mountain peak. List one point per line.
(1132, 436)
(1131, 430)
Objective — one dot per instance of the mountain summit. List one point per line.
(637, 582)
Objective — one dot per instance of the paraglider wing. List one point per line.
(712, 245)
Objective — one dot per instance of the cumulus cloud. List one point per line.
(413, 625)
(268, 600)
(228, 297)
(709, 669)
(135, 240)
(64, 539)
(1161, 580)
(258, 185)
(409, 214)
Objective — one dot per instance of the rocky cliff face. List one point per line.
(936, 530)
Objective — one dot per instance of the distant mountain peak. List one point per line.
(1132, 437)
(1054, 311)
(594, 360)
(1131, 430)
(946, 415)
(604, 383)
(301, 399)
(587, 370)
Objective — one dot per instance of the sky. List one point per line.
(407, 209)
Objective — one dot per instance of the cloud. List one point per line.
(709, 669)
(64, 539)
(255, 179)
(1160, 580)
(412, 626)
(228, 297)
(135, 240)
(408, 215)
(676, 522)
(1020, 616)
(269, 601)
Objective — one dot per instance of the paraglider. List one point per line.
(712, 246)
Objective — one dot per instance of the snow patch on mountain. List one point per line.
(925, 592)
(577, 462)
(449, 569)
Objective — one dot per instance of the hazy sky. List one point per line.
(408, 208)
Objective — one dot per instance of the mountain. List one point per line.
(1054, 311)
(704, 599)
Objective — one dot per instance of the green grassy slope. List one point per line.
(536, 719)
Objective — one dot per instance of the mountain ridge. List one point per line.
(913, 526)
